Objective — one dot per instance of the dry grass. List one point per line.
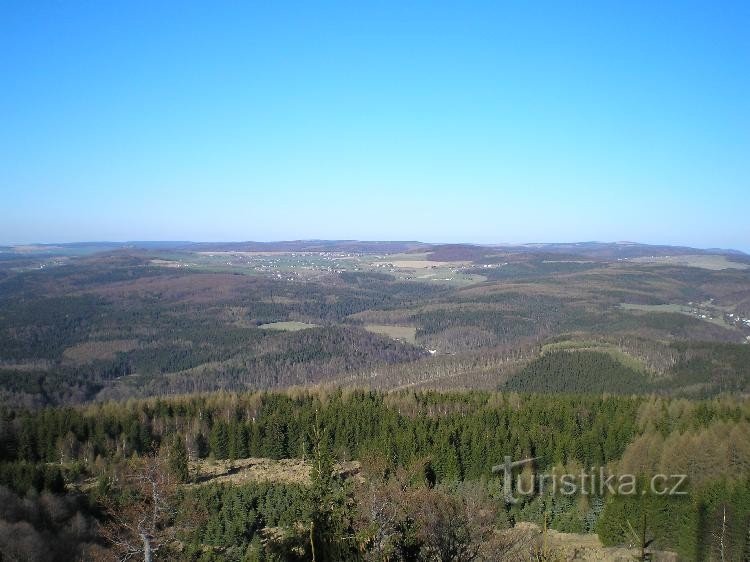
(97, 350)
(243, 471)
(526, 541)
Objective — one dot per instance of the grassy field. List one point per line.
(287, 326)
(415, 267)
(404, 333)
(714, 263)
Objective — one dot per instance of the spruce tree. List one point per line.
(177, 459)
(219, 440)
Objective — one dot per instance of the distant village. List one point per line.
(730, 318)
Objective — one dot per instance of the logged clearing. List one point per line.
(98, 350)
(526, 537)
(405, 333)
(282, 471)
(287, 326)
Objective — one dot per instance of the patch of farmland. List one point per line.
(420, 264)
(404, 333)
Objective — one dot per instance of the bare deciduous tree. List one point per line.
(142, 516)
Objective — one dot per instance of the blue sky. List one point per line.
(458, 121)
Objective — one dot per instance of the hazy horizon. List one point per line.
(416, 241)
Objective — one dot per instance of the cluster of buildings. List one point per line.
(737, 320)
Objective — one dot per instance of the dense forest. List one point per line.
(417, 448)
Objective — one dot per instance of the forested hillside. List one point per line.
(440, 447)
(142, 322)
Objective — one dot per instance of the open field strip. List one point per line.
(287, 326)
(405, 333)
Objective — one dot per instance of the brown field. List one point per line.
(97, 350)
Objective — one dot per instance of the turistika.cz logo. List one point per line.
(592, 482)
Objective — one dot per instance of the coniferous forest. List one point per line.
(417, 451)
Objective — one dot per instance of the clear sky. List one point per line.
(457, 121)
